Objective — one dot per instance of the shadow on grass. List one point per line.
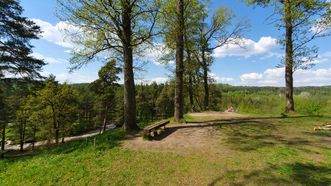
(259, 118)
(287, 174)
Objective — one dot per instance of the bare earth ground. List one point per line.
(202, 138)
(221, 115)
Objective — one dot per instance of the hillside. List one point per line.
(272, 151)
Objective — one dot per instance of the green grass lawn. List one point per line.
(269, 151)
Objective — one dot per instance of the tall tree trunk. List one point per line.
(21, 137)
(129, 86)
(105, 120)
(55, 125)
(3, 140)
(22, 134)
(289, 58)
(190, 92)
(205, 81)
(34, 137)
(179, 100)
(190, 80)
(57, 135)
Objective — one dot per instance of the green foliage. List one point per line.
(104, 88)
(193, 12)
(270, 101)
(16, 32)
(101, 28)
(55, 106)
(166, 100)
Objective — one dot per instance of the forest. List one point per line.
(241, 124)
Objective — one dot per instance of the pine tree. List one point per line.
(16, 32)
(15, 48)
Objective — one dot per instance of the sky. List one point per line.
(255, 64)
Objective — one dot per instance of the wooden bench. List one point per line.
(153, 129)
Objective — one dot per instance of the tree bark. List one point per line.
(105, 120)
(129, 86)
(34, 137)
(205, 81)
(57, 135)
(179, 100)
(55, 125)
(22, 133)
(21, 136)
(190, 81)
(190, 92)
(3, 140)
(289, 58)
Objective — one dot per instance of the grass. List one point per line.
(273, 151)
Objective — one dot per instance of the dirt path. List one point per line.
(220, 115)
(66, 139)
(186, 138)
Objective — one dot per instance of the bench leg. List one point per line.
(152, 133)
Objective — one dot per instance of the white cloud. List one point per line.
(154, 53)
(323, 58)
(158, 80)
(251, 77)
(219, 79)
(248, 48)
(57, 33)
(70, 78)
(276, 77)
(49, 60)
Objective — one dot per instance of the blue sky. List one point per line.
(253, 65)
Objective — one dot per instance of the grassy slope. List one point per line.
(273, 151)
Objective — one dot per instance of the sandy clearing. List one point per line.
(201, 137)
(180, 140)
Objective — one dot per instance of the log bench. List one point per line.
(152, 130)
(326, 127)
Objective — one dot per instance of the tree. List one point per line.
(303, 21)
(15, 35)
(165, 101)
(179, 96)
(36, 120)
(104, 87)
(60, 103)
(178, 24)
(115, 28)
(3, 117)
(86, 111)
(16, 32)
(22, 115)
(219, 31)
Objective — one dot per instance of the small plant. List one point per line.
(147, 137)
